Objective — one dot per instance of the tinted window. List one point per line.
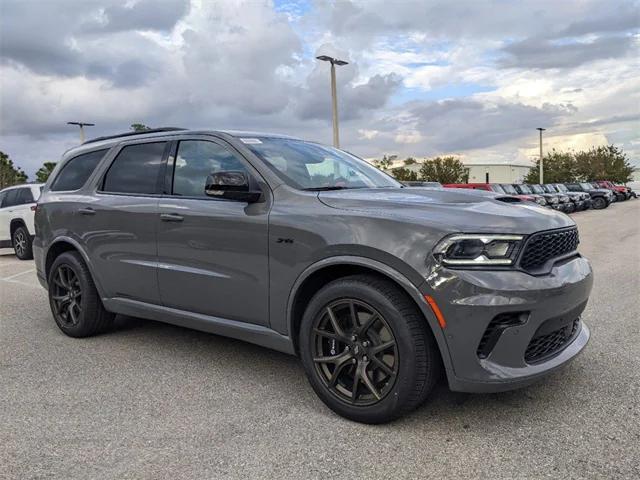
(2, 195)
(24, 196)
(76, 171)
(197, 159)
(11, 199)
(135, 169)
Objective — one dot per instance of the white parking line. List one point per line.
(11, 277)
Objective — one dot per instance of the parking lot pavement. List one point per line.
(150, 400)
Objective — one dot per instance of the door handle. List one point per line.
(171, 217)
(86, 211)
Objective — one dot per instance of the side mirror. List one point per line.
(231, 185)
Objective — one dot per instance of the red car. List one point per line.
(619, 190)
(494, 187)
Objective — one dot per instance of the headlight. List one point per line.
(564, 198)
(554, 200)
(478, 249)
(541, 201)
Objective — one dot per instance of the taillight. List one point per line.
(34, 207)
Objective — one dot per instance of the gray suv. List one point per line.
(309, 250)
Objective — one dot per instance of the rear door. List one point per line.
(212, 253)
(120, 228)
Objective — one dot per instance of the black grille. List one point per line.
(543, 346)
(496, 327)
(544, 246)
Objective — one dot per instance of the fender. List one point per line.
(85, 257)
(386, 270)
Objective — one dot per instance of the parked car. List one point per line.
(310, 250)
(17, 205)
(600, 197)
(565, 203)
(582, 199)
(622, 193)
(493, 187)
(575, 198)
(539, 199)
(553, 201)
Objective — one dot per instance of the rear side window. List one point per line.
(2, 196)
(76, 171)
(135, 169)
(24, 196)
(11, 198)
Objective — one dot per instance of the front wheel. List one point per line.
(367, 350)
(599, 203)
(21, 241)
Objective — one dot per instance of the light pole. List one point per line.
(81, 125)
(541, 166)
(334, 95)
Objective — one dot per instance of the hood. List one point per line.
(449, 209)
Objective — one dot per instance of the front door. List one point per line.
(212, 253)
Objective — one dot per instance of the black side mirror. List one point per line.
(231, 185)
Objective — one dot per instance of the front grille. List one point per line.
(543, 246)
(495, 328)
(543, 346)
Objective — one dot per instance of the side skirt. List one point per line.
(247, 332)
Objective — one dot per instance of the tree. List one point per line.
(410, 161)
(404, 174)
(603, 163)
(385, 163)
(139, 127)
(444, 170)
(45, 170)
(10, 174)
(559, 167)
(598, 163)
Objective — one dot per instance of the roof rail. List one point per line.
(130, 134)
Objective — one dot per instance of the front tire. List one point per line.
(367, 349)
(74, 300)
(22, 244)
(599, 203)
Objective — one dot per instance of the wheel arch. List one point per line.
(67, 244)
(15, 224)
(326, 270)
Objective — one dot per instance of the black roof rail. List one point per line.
(130, 134)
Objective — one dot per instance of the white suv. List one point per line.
(17, 207)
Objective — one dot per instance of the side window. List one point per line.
(135, 169)
(76, 171)
(24, 196)
(197, 159)
(11, 199)
(2, 195)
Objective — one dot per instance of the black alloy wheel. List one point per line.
(599, 203)
(355, 352)
(66, 296)
(74, 299)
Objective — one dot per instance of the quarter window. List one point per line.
(24, 196)
(195, 161)
(76, 171)
(135, 169)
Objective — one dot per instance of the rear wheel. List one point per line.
(599, 203)
(21, 241)
(74, 300)
(367, 350)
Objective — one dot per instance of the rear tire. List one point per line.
(599, 203)
(22, 244)
(387, 355)
(73, 297)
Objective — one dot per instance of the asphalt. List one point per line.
(153, 401)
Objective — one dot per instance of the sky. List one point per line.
(472, 78)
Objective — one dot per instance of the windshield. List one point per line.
(550, 188)
(311, 166)
(595, 185)
(523, 189)
(537, 189)
(586, 186)
(509, 189)
(561, 187)
(497, 188)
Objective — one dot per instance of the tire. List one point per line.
(22, 243)
(73, 298)
(413, 363)
(599, 203)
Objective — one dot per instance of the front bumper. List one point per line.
(471, 300)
